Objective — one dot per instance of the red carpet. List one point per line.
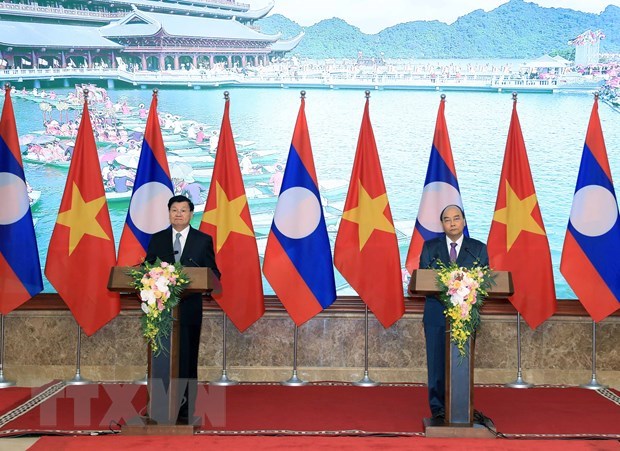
(156, 443)
(12, 397)
(321, 409)
(335, 409)
(549, 411)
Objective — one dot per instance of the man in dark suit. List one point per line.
(181, 242)
(453, 246)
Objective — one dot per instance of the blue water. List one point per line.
(554, 127)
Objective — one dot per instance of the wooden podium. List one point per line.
(164, 388)
(459, 370)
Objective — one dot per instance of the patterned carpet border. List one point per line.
(31, 403)
(344, 433)
(39, 432)
(610, 395)
(563, 436)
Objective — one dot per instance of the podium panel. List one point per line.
(459, 369)
(459, 383)
(164, 388)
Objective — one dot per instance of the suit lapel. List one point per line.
(444, 255)
(188, 243)
(465, 255)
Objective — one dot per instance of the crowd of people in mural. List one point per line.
(118, 129)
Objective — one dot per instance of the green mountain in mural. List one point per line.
(516, 29)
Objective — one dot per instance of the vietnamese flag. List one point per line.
(590, 261)
(517, 239)
(227, 219)
(366, 250)
(81, 250)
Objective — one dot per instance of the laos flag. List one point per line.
(20, 270)
(590, 262)
(441, 188)
(298, 259)
(148, 208)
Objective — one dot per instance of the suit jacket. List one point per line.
(198, 252)
(435, 251)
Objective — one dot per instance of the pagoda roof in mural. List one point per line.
(221, 9)
(140, 23)
(30, 34)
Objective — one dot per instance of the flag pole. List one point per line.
(4, 383)
(224, 380)
(519, 382)
(294, 381)
(366, 381)
(593, 384)
(78, 379)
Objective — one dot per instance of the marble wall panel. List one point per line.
(608, 346)
(40, 346)
(568, 345)
(39, 339)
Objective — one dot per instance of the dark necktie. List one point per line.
(452, 252)
(176, 247)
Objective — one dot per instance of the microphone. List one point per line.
(140, 263)
(433, 262)
(476, 258)
(191, 260)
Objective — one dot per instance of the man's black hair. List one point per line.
(450, 206)
(180, 198)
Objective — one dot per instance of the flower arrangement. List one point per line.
(462, 292)
(159, 285)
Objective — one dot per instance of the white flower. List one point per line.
(162, 284)
(148, 296)
(145, 308)
(463, 291)
(456, 298)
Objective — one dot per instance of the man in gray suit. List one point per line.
(453, 246)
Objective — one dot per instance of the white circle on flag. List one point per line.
(14, 192)
(149, 207)
(435, 197)
(594, 210)
(298, 212)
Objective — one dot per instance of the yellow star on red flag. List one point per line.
(81, 218)
(369, 215)
(226, 217)
(517, 215)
